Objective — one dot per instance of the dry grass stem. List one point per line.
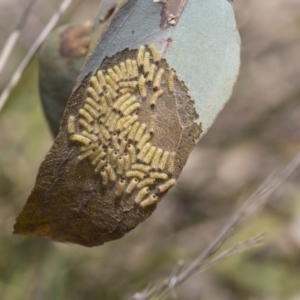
(19, 71)
(14, 36)
(256, 200)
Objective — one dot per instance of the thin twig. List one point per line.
(14, 36)
(170, 282)
(18, 73)
(98, 16)
(256, 200)
(105, 10)
(240, 247)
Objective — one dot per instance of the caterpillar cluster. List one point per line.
(112, 137)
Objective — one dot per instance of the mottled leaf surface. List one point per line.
(203, 48)
(134, 118)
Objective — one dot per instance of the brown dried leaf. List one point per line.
(125, 136)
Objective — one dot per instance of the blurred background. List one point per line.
(257, 133)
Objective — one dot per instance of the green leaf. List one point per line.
(60, 60)
(127, 131)
(203, 47)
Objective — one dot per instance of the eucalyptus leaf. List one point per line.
(60, 60)
(139, 107)
(203, 47)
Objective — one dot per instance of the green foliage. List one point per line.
(203, 47)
